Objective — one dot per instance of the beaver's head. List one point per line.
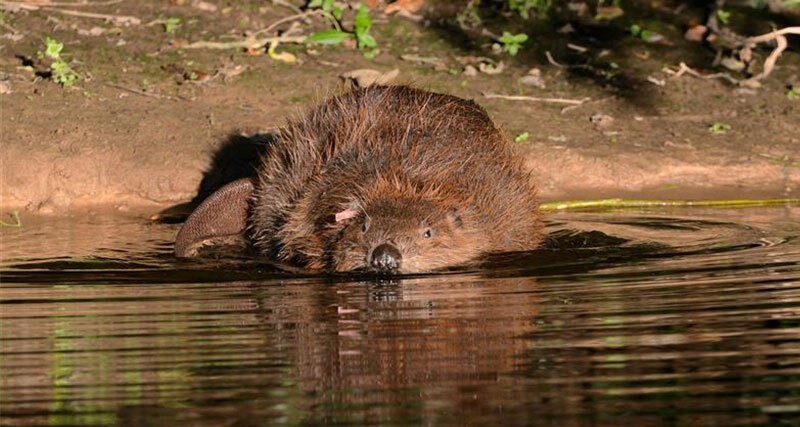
(401, 230)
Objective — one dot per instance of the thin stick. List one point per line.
(297, 16)
(588, 101)
(536, 99)
(773, 35)
(553, 61)
(685, 69)
(120, 19)
(140, 92)
(244, 44)
(656, 203)
(47, 3)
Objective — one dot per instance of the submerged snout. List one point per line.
(386, 258)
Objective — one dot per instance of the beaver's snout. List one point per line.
(386, 258)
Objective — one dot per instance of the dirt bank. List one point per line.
(140, 133)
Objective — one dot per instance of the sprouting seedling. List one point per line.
(363, 23)
(512, 42)
(523, 7)
(719, 128)
(793, 93)
(171, 25)
(60, 70)
(724, 16)
(331, 6)
(361, 27)
(644, 34)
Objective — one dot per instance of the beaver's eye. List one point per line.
(365, 226)
(427, 233)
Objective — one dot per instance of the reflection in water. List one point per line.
(621, 319)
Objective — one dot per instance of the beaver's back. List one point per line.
(433, 140)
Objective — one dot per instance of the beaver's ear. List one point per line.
(454, 216)
(222, 215)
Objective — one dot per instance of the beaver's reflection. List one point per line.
(435, 339)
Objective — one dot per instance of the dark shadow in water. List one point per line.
(238, 157)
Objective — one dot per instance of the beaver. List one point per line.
(390, 179)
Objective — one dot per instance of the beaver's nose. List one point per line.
(386, 258)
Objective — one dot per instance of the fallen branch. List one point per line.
(537, 99)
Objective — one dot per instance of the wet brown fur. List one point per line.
(408, 161)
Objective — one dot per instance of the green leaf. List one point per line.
(512, 42)
(330, 37)
(724, 16)
(337, 13)
(363, 21)
(313, 4)
(366, 40)
(719, 128)
(52, 48)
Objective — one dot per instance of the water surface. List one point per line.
(679, 317)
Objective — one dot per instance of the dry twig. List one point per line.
(537, 99)
(117, 19)
(248, 43)
(84, 3)
(780, 39)
(141, 92)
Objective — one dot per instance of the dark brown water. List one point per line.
(681, 317)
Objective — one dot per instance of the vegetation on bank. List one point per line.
(744, 41)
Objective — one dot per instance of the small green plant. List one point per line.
(724, 16)
(60, 71)
(793, 93)
(361, 26)
(171, 25)
(523, 7)
(646, 35)
(512, 42)
(469, 17)
(522, 137)
(719, 128)
(331, 6)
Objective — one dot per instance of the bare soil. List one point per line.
(150, 119)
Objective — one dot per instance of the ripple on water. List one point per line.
(655, 318)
